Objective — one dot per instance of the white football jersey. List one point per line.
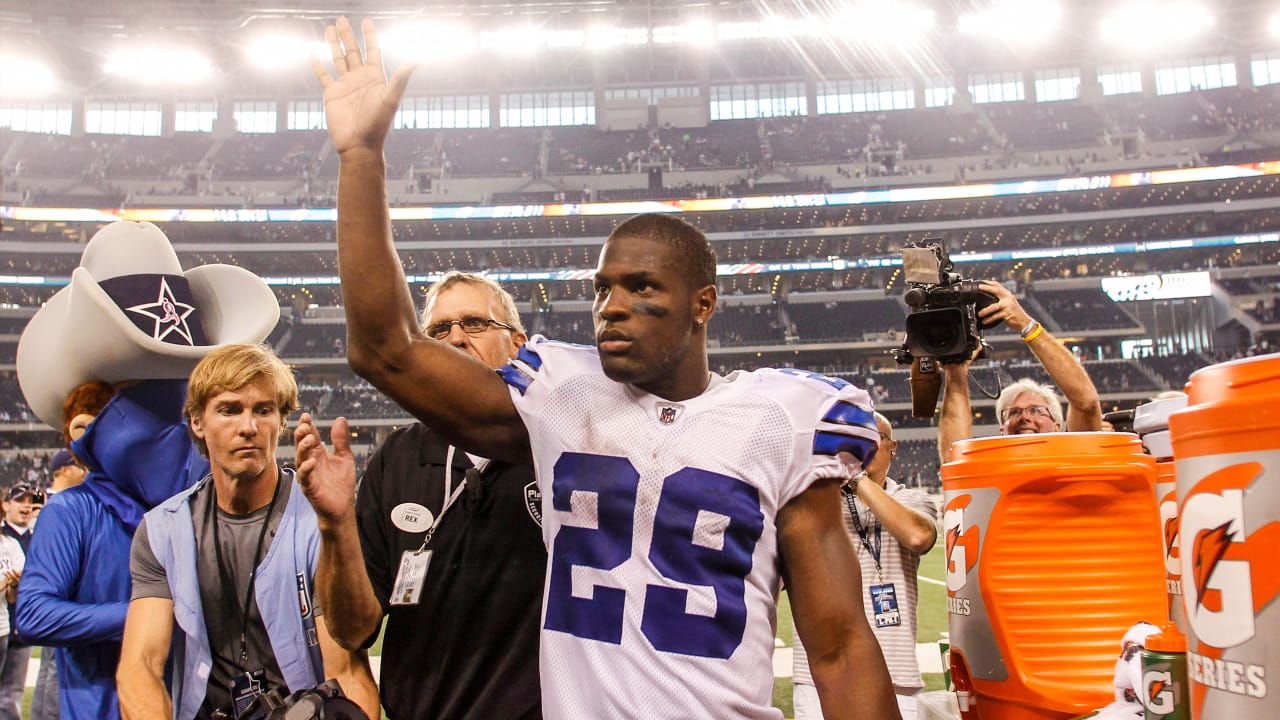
(659, 519)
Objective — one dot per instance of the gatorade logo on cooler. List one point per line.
(962, 552)
(1229, 574)
(1172, 542)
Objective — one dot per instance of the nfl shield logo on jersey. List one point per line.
(669, 412)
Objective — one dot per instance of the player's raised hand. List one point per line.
(359, 101)
(328, 479)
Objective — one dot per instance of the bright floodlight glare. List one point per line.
(883, 22)
(745, 31)
(160, 66)
(697, 32)
(1274, 25)
(1017, 21)
(283, 51)
(565, 38)
(603, 37)
(1150, 24)
(20, 77)
(427, 42)
(514, 40)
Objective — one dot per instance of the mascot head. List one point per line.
(131, 312)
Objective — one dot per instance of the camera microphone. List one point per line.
(926, 383)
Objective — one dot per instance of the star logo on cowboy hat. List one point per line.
(169, 313)
(131, 312)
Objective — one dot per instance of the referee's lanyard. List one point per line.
(225, 574)
(870, 541)
(450, 495)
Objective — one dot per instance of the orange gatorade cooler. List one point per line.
(1227, 449)
(1151, 422)
(1053, 552)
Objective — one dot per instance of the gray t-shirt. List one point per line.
(239, 538)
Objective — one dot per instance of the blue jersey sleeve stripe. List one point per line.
(515, 377)
(834, 443)
(846, 413)
(529, 357)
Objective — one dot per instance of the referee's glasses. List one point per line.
(469, 325)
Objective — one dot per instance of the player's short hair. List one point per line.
(232, 367)
(1027, 385)
(511, 315)
(692, 247)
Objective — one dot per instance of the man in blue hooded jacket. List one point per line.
(128, 318)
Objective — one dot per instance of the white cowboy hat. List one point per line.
(132, 313)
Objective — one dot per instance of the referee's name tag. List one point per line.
(411, 576)
(884, 601)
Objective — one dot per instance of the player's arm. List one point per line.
(914, 530)
(955, 422)
(140, 676)
(328, 479)
(824, 583)
(351, 669)
(455, 394)
(1084, 411)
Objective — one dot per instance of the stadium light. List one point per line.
(1274, 25)
(603, 37)
(564, 39)
(160, 65)
(1016, 21)
(433, 42)
(776, 28)
(698, 32)
(746, 31)
(512, 40)
(883, 22)
(1151, 24)
(283, 51)
(24, 78)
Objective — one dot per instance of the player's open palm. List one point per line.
(360, 102)
(328, 479)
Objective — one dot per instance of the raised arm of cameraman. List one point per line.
(1084, 412)
(955, 422)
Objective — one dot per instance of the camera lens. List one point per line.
(940, 333)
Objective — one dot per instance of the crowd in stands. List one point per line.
(1266, 312)
(866, 144)
(1084, 309)
(332, 391)
(899, 142)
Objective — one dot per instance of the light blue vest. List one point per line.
(284, 578)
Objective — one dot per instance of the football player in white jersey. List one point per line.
(675, 500)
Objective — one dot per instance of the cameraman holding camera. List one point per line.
(1025, 406)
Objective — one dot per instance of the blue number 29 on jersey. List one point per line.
(689, 496)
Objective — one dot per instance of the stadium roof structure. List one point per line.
(751, 40)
